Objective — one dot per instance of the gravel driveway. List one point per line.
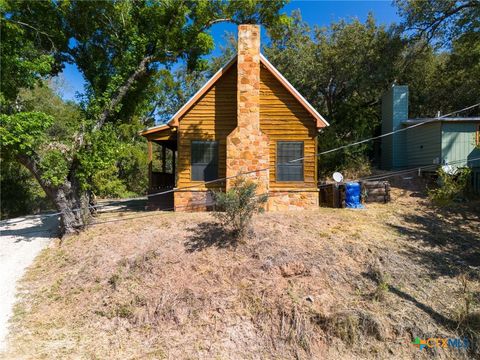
(20, 242)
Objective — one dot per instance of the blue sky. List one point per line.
(315, 12)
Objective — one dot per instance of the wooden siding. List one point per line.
(423, 145)
(283, 118)
(213, 117)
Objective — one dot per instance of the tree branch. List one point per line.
(36, 29)
(140, 71)
(31, 164)
(431, 27)
(122, 91)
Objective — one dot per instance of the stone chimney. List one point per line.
(247, 146)
(248, 83)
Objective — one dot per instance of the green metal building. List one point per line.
(451, 140)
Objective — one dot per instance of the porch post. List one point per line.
(164, 159)
(173, 167)
(149, 164)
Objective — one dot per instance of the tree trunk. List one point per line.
(74, 204)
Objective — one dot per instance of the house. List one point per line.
(246, 119)
(442, 140)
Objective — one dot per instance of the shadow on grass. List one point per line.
(435, 315)
(210, 234)
(136, 205)
(444, 240)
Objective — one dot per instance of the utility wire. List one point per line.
(267, 168)
(388, 134)
(114, 217)
(418, 168)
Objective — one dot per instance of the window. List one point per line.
(286, 169)
(478, 136)
(204, 160)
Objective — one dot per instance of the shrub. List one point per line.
(452, 187)
(235, 207)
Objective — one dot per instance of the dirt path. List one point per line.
(21, 240)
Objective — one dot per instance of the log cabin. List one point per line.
(246, 119)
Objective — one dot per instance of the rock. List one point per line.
(293, 268)
(309, 298)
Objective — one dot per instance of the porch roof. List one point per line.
(163, 134)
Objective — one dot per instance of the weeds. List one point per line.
(296, 327)
(466, 316)
(468, 319)
(382, 280)
(352, 325)
(452, 187)
(236, 206)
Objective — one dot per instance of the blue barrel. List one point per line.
(352, 195)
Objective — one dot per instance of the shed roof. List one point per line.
(441, 119)
(320, 120)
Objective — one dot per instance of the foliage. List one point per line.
(440, 20)
(26, 50)
(341, 81)
(54, 167)
(21, 194)
(123, 49)
(451, 187)
(22, 133)
(441, 65)
(236, 207)
(172, 90)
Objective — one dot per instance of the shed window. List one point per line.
(286, 169)
(204, 160)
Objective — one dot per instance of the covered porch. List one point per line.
(162, 165)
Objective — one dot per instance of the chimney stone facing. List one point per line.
(247, 146)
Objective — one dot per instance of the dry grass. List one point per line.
(329, 283)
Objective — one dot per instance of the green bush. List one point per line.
(236, 207)
(451, 187)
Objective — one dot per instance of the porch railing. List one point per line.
(161, 180)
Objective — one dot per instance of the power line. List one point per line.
(150, 213)
(418, 168)
(389, 133)
(119, 201)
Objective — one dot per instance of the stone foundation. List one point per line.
(191, 201)
(292, 200)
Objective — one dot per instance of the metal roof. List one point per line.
(442, 119)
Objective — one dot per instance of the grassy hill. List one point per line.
(329, 283)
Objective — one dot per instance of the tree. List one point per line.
(445, 45)
(342, 70)
(440, 20)
(120, 48)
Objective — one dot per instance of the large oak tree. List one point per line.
(121, 48)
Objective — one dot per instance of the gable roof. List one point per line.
(319, 119)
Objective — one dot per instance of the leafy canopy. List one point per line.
(342, 71)
(123, 49)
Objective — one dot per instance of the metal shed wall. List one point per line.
(424, 145)
(459, 143)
